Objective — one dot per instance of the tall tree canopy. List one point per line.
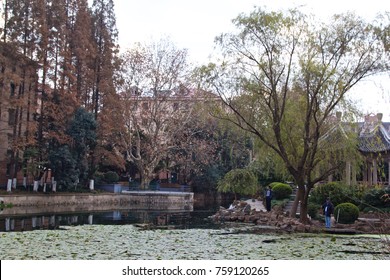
(283, 76)
(75, 48)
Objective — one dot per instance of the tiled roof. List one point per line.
(373, 135)
(376, 139)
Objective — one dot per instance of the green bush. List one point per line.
(312, 210)
(281, 190)
(239, 181)
(346, 213)
(333, 190)
(375, 198)
(98, 177)
(111, 177)
(338, 193)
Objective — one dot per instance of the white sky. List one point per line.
(193, 24)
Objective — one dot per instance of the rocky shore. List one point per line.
(277, 220)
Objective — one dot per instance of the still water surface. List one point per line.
(121, 235)
(172, 219)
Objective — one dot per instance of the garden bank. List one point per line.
(278, 220)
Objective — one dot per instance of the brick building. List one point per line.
(18, 84)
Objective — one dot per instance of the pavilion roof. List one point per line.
(375, 139)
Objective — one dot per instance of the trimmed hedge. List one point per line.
(281, 190)
(346, 213)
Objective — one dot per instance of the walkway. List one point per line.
(290, 203)
(257, 205)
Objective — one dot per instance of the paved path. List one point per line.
(257, 204)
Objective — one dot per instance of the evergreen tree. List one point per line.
(69, 161)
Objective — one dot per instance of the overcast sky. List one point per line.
(193, 24)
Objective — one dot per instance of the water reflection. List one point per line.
(158, 219)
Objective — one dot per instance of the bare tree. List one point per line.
(156, 104)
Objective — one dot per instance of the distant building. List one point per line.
(18, 83)
(374, 144)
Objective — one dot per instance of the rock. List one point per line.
(253, 218)
(247, 209)
(287, 227)
(242, 204)
(241, 218)
(301, 228)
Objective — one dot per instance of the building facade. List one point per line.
(18, 84)
(374, 144)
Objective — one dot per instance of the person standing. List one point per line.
(268, 198)
(328, 211)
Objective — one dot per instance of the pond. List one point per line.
(135, 235)
(157, 219)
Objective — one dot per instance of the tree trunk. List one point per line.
(35, 187)
(14, 183)
(146, 177)
(91, 184)
(298, 198)
(9, 185)
(303, 213)
(144, 182)
(294, 207)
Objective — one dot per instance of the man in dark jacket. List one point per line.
(268, 198)
(328, 211)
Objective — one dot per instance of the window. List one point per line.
(8, 168)
(12, 89)
(11, 116)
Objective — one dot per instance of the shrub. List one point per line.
(98, 177)
(281, 190)
(239, 181)
(337, 192)
(346, 213)
(376, 198)
(111, 177)
(312, 210)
